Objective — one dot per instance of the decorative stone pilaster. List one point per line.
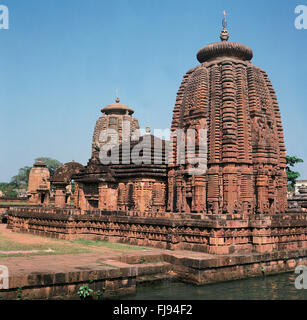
(60, 196)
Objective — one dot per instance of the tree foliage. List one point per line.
(8, 189)
(21, 180)
(292, 176)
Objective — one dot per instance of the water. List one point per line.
(277, 287)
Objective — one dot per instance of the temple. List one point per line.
(234, 101)
(125, 183)
(39, 184)
(218, 186)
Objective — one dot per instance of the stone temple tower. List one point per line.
(115, 118)
(235, 102)
(39, 184)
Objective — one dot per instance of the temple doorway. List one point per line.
(189, 204)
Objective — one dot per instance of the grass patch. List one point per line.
(15, 204)
(8, 245)
(22, 204)
(106, 244)
(148, 262)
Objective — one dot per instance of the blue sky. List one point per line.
(62, 60)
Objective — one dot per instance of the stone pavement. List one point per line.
(117, 271)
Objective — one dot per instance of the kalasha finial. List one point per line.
(224, 33)
(117, 98)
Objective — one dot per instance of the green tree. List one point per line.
(22, 178)
(52, 164)
(8, 189)
(73, 187)
(292, 175)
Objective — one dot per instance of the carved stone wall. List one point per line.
(211, 234)
(139, 194)
(142, 195)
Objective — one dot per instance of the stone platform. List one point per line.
(115, 274)
(221, 248)
(212, 234)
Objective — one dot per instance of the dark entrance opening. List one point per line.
(189, 204)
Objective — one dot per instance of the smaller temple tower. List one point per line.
(116, 118)
(136, 180)
(39, 184)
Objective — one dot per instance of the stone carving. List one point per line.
(245, 138)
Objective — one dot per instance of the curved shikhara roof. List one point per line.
(64, 173)
(239, 104)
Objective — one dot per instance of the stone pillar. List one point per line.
(282, 203)
(213, 190)
(199, 195)
(76, 196)
(158, 196)
(230, 181)
(60, 196)
(180, 203)
(47, 199)
(113, 198)
(102, 203)
(82, 203)
(247, 190)
(122, 203)
(262, 194)
(108, 195)
(171, 191)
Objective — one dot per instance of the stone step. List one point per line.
(141, 269)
